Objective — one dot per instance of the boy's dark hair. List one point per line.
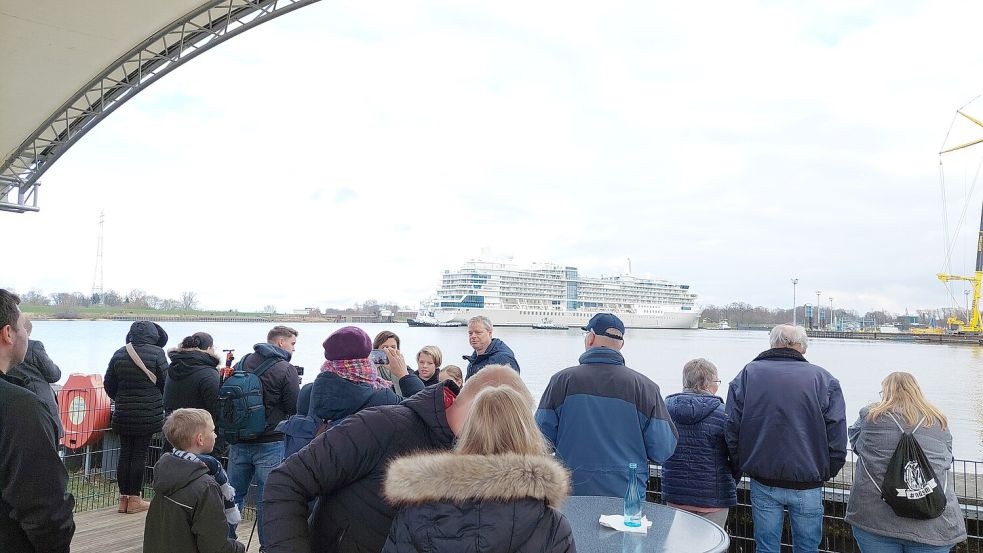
(382, 337)
(8, 308)
(280, 332)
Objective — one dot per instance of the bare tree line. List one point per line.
(134, 299)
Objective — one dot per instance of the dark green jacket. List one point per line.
(187, 513)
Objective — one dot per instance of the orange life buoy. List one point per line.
(85, 410)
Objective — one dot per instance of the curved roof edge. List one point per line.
(166, 49)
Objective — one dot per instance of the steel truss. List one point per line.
(198, 31)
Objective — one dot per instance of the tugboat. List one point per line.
(548, 324)
(428, 320)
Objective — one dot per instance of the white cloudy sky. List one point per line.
(355, 149)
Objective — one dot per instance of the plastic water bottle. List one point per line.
(633, 499)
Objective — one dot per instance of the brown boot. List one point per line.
(123, 503)
(136, 504)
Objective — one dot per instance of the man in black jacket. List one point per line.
(35, 511)
(346, 466)
(40, 372)
(281, 386)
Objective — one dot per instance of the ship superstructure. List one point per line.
(510, 295)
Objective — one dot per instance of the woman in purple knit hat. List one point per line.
(349, 380)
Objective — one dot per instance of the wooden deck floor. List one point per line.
(106, 531)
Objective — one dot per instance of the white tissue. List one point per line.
(618, 523)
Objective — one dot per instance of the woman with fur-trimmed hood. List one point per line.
(497, 492)
(193, 379)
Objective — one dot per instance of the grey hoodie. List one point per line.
(874, 443)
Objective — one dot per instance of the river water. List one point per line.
(950, 375)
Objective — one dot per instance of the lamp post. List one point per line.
(819, 309)
(794, 282)
(832, 316)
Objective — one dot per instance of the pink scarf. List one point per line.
(359, 371)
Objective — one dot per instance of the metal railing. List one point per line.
(837, 534)
(92, 479)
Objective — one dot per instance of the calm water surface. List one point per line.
(951, 375)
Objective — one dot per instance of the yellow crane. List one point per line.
(974, 326)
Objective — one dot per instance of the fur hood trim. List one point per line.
(430, 478)
(214, 358)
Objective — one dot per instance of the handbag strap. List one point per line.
(139, 362)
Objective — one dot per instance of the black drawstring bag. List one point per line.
(910, 486)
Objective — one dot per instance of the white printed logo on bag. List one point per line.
(914, 478)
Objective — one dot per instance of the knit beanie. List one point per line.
(349, 342)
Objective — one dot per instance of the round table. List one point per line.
(671, 530)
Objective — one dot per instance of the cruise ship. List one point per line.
(510, 295)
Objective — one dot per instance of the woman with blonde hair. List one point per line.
(874, 437)
(498, 487)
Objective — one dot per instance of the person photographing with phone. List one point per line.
(393, 368)
(350, 379)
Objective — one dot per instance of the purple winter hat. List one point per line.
(349, 342)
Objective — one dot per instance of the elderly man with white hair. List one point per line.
(786, 429)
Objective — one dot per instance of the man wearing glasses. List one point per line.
(600, 415)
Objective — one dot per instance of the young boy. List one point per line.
(188, 511)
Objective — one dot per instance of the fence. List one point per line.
(92, 479)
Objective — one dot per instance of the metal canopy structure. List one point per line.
(64, 66)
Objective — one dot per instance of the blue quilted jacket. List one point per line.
(699, 473)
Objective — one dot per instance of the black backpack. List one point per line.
(910, 486)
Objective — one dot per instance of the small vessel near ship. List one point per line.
(548, 324)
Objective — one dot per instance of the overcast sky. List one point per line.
(354, 150)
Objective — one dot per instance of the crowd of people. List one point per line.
(351, 462)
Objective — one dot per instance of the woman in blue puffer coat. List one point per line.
(699, 477)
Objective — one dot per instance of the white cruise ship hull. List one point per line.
(518, 317)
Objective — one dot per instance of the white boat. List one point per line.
(510, 295)
(548, 324)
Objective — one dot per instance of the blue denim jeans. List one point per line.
(805, 510)
(874, 543)
(246, 460)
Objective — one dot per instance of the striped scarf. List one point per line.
(216, 471)
(359, 371)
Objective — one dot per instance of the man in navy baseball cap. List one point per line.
(606, 324)
(601, 415)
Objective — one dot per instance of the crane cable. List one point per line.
(949, 247)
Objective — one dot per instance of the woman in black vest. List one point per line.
(139, 412)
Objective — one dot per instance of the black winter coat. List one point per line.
(192, 381)
(40, 372)
(281, 386)
(187, 513)
(139, 402)
(35, 511)
(699, 473)
(346, 467)
(478, 504)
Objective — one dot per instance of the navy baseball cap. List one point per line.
(603, 324)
